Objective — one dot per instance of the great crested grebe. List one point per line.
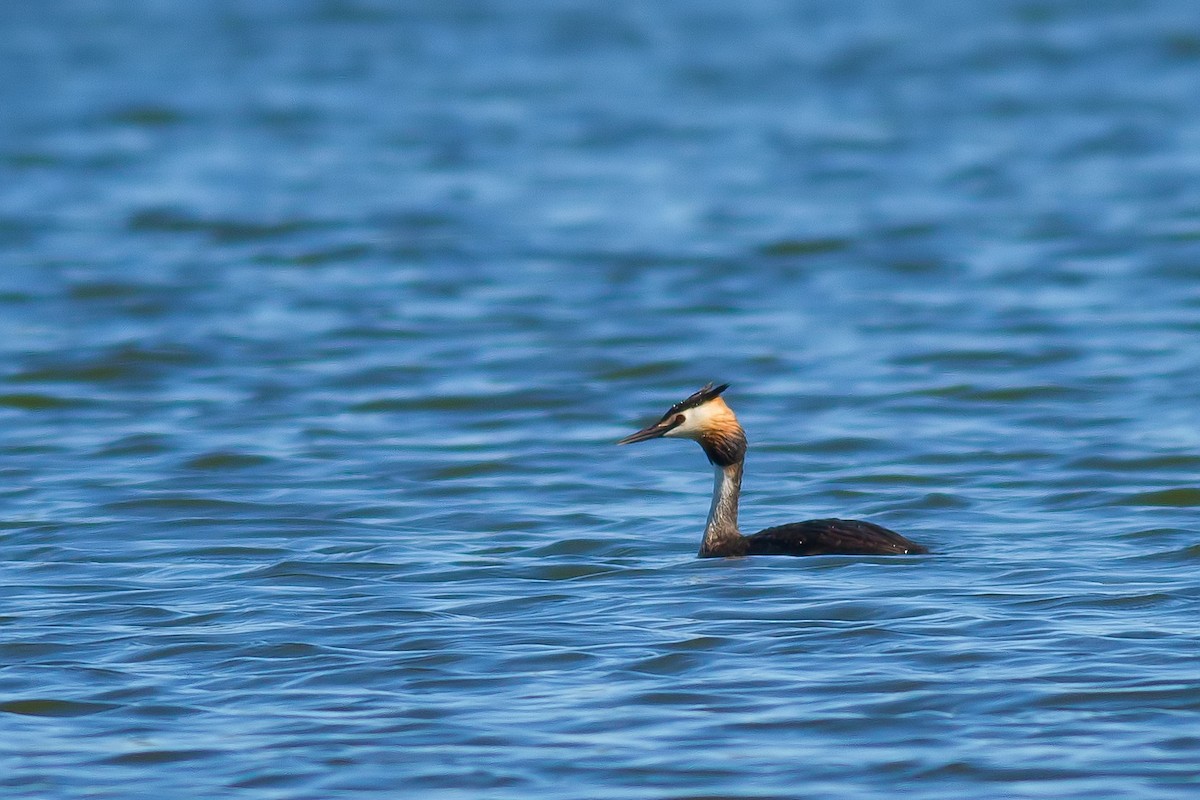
(705, 418)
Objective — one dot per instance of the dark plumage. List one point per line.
(706, 418)
(818, 537)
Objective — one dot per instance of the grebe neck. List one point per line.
(722, 527)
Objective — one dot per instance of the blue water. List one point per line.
(318, 321)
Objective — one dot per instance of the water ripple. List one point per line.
(321, 321)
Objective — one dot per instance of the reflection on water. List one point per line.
(319, 323)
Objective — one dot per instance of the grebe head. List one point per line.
(705, 418)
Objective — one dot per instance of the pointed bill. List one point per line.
(654, 431)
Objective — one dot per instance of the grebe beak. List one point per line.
(654, 431)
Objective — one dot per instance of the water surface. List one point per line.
(318, 322)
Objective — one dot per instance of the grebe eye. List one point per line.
(679, 418)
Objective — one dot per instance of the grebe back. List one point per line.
(705, 418)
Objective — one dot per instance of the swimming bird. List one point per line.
(705, 418)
